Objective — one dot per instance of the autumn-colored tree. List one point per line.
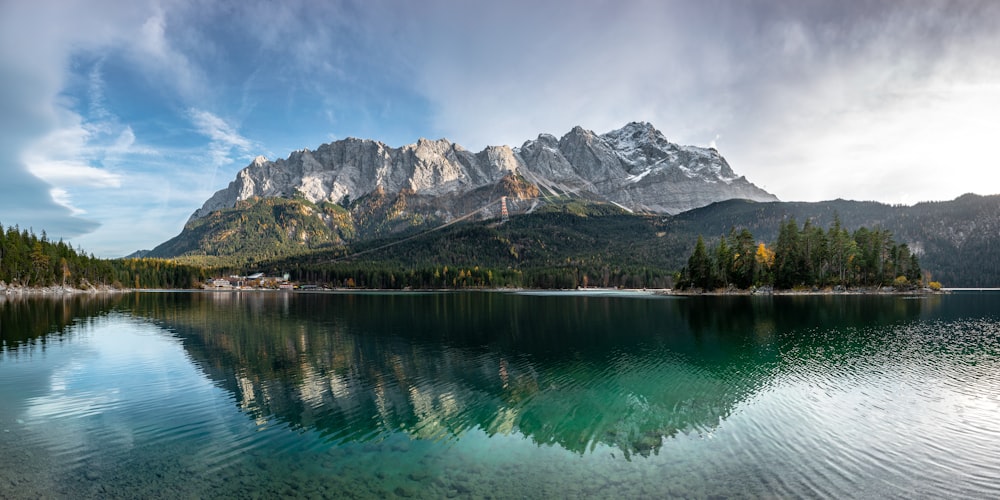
(64, 266)
(765, 262)
(39, 262)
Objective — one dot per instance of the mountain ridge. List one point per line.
(635, 167)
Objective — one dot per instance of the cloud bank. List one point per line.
(116, 112)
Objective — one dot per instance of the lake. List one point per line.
(503, 395)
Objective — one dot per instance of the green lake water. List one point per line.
(499, 395)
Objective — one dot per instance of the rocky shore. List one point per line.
(6, 289)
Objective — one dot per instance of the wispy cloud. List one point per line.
(126, 144)
(39, 132)
(790, 92)
(69, 153)
(75, 174)
(62, 197)
(153, 105)
(226, 142)
(64, 150)
(64, 159)
(158, 57)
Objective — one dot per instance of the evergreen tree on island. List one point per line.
(804, 257)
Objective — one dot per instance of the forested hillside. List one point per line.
(577, 243)
(260, 230)
(564, 243)
(957, 241)
(27, 260)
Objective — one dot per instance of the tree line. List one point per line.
(802, 257)
(29, 260)
(389, 275)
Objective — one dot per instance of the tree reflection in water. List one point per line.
(574, 371)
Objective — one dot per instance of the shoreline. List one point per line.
(6, 290)
(609, 291)
(58, 290)
(823, 291)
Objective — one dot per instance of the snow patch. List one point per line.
(623, 207)
(638, 177)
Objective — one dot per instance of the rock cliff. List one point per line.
(635, 167)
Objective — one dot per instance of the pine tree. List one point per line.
(743, 262)
(723, 262)
(699, 266)
(788, 262)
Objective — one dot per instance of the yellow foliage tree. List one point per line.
(764, 256)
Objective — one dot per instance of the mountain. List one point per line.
(357, 189)
(635, 167)
(626, 205)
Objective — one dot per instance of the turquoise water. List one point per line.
(502, 395)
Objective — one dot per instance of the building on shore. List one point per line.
(252, 282)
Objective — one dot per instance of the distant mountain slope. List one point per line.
(957, 241)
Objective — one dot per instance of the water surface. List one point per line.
(235, 394)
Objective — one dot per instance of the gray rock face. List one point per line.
(634, 166)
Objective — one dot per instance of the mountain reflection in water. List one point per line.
(487, 394)
(567, 370)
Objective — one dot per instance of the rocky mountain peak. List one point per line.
(635, 133)
(634, 166)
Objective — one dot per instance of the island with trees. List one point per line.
(804, 258)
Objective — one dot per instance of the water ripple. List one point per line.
(658, 401)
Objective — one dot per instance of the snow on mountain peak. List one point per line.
(634, 166)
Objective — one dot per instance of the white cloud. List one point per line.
(815, 101)
(95, 94)
(154, 52)
(225, 140)
(62, 197)
(935, 141)
(38, 129)
(70, 173)
(887, 100)
(896, 107)
(126, 144)
(218, 130)
(64, 156)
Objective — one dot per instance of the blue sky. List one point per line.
(119, 119)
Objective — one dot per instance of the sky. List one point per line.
(119, 119)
